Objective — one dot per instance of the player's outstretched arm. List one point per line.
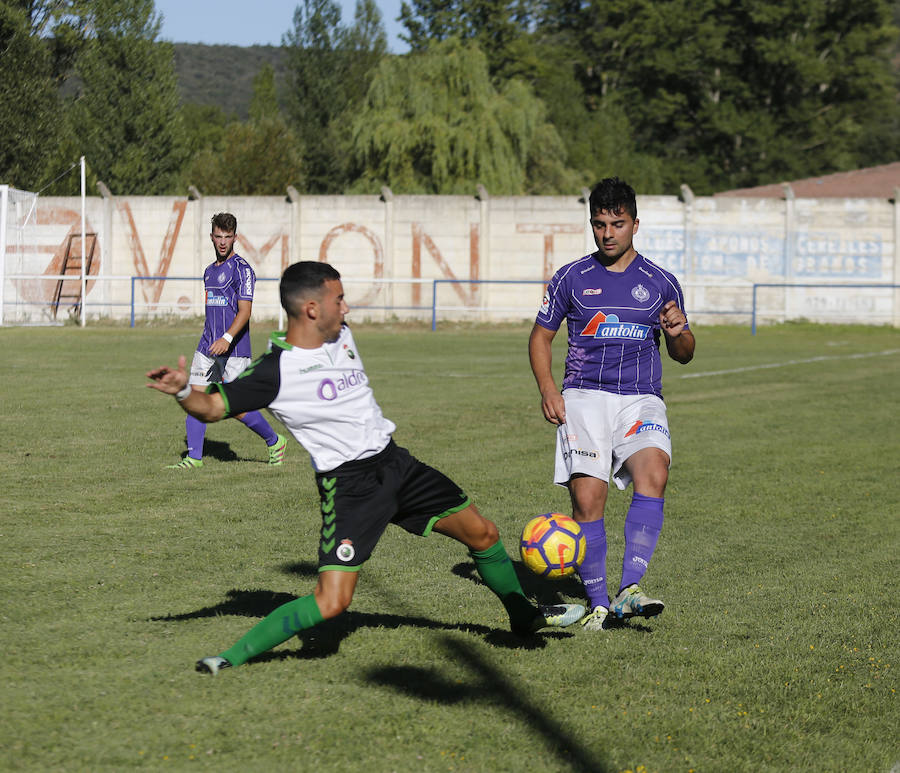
(679, 340)
(174, 381)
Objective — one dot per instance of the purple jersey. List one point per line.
(225, 284)
(613, 323)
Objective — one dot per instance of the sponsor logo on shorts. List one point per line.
(641, 426)
(330, 389)
(608, 326)
(215, 300)
(579, 452)
(345, 551)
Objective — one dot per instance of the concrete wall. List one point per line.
(389, 248)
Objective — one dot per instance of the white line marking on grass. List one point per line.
(791, 362)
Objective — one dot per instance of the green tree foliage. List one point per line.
(29, 107)
(331, 66)
(731, 93)
(499, 27)
(126, 119)
(432, 122)
(260, 157)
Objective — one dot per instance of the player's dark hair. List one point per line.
(225, 221)
(613, 195)
(302, 279)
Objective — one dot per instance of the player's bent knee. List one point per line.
(331, 605)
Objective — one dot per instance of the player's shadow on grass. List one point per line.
(543, 591)
(324, 639)
(222, 452)
(549, 591)
(487, 686)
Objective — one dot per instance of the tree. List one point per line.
(257, 158)
(732, 93)
(433, 123)
(331, 68)
(126, 118)
(500, 29)
(29, 106)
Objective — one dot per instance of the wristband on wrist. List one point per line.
(183, 394)
(228, 337)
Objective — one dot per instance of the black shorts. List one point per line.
(360, 498)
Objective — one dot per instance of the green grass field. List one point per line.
(778, 649)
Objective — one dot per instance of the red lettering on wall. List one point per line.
(153, 290)
(41, 291)
(377, 250)
(548, 230)
(465, 290)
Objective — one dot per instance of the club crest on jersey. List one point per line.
(221, 277)
(608, 326)
(640, 293)
(349, 351)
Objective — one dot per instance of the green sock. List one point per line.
(498, 574)
(275, 628)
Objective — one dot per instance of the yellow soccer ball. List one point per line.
(552, 545)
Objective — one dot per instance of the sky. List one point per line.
(252, 22)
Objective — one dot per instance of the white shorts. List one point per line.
(201, 364)
(603, 429)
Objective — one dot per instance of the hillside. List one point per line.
(223, 75)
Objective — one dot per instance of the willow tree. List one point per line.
(432, 122)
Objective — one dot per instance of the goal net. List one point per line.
(18, 220)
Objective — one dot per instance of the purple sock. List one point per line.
(254, 420)
(593, 569)
(643, 524)
(196, 431)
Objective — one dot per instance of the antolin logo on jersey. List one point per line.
(215, 300)
(329, 389)
(641, 426)
(608, 326)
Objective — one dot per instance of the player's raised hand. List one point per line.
(672, 319)
(169, 380)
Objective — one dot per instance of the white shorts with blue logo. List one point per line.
(201, 364)
(603, 429)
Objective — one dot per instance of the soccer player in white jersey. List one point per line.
(313, 380)
(610, 415)
(223, 351)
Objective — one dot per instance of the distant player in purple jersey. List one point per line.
(610, 416)
(313, 379)
(224, 349)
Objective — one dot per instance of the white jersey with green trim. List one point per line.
(322, 396)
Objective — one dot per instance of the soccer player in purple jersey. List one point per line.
(610, 415)
(313, 379)
(223, 352)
